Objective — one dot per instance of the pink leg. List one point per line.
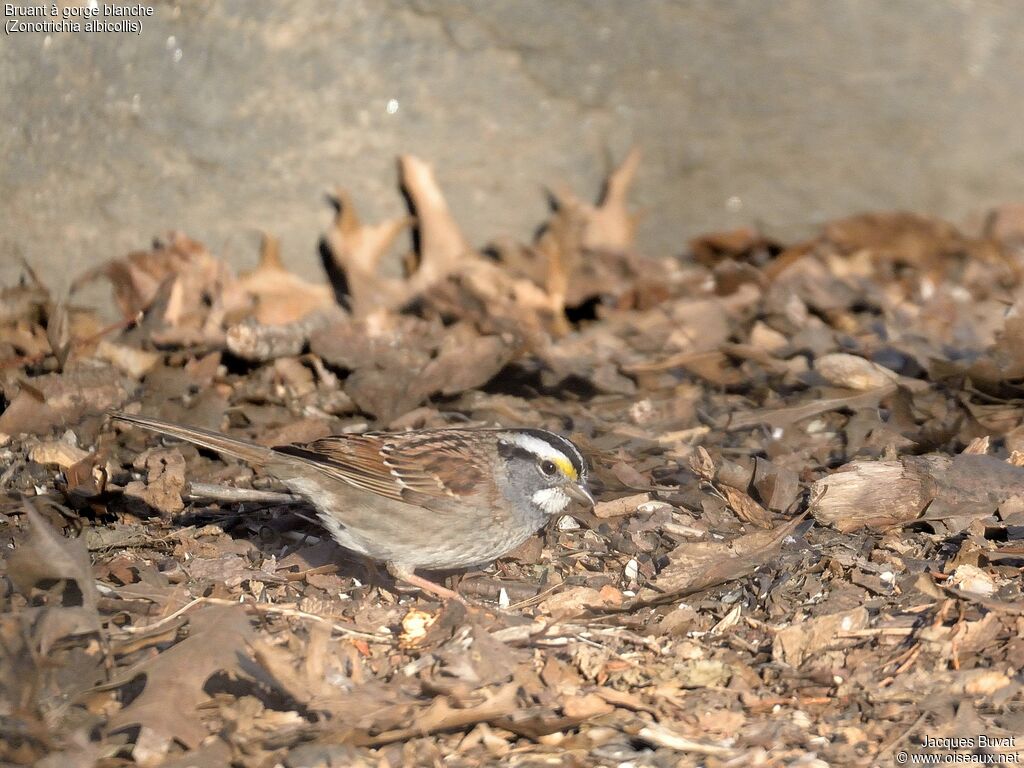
(409, 576)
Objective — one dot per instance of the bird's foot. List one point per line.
(409, 576)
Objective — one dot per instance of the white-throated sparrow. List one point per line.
(437, 499)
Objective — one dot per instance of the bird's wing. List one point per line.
(417, 467)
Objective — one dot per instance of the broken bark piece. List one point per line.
(885, 494)
(796, 643)
(255, 342)
(627, 505)
(776, 486)
(869, 494)
(57, 452)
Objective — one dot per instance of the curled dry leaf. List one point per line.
(58, 333)
(398, 362)
(25, 302)
(609, 225)
(702, 465)
(356, 249)
(443, 248)
(746, 509)
(279, 296)
(561, 245)
(853, 372)
(195, 277)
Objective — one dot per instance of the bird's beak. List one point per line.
(579, 493)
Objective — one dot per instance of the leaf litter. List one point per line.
(807, 548)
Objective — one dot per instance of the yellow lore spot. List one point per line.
(566, 466)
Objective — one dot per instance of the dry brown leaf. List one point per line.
(442, 245)
(398, 362)
(694, 566)
(46, 556)
(852, 372)
(609, 225)
(701, 464)
(586, 706)
(55, 399)
(777, 487)
(217, 642)
(904, 237)
(356, 250)
(193, 274)
(746, 509)
(134, 362)
(165, 483)
(281, 297)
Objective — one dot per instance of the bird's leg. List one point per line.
(408, 575)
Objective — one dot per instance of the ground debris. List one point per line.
(807, 546)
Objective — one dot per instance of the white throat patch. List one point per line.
(552, 500)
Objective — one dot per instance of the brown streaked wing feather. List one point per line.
(408, 467)
(353, 459)
(435, 472)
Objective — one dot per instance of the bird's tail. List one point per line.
(250, 452)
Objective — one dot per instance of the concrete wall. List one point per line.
(224, 117)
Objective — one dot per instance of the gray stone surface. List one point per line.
(225, 117)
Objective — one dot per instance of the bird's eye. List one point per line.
(548, 468)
